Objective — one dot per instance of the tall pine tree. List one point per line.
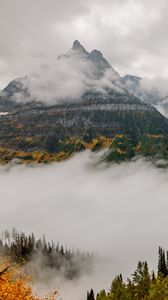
(90, 295)
(162, 266)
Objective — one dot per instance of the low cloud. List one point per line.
(66, 79)
(133, 45)
(157, 86)
(150, 90)
(119, 212)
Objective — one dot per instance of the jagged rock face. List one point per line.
(78, 47)
(95, 57)
(162, 106)
(96, 70)
(7, 99)
(134, 85)
(111, 111)
(99, 69)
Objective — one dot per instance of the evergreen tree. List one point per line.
(162, 266)
(118, 288)
(141, 279)
(153, 276)
(21, 248)
(102, 295)
(90, 296)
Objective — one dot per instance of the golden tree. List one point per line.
(14, 286)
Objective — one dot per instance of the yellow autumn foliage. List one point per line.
(14, 286)
(42, 156)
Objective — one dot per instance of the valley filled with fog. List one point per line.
(117, 211)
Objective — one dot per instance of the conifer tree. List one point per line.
(162, 266)
(117, 288)
(141, 279)
(90, 296)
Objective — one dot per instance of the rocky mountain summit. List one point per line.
(92, 107)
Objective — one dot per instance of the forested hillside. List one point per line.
(120, 147)
(143, 285)
(23, 249)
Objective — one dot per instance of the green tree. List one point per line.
(118, 288)
(162, 267)
(159, 289)
(141, 280)
(102, 296)
(90, 295)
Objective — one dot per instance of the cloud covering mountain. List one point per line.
(134, 45)
(66, 79)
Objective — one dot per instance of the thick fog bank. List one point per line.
(118, 211)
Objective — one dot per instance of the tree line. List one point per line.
(22, 248)
(142, 286)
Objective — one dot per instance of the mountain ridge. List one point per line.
(106, 112)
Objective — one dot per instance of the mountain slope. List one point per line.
(134, 84)
(103, 110)
(162, 106)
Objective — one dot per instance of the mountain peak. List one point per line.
(78, 47)
(97, 57)
(132, 78)
(96, 53)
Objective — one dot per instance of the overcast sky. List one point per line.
(132, 34)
